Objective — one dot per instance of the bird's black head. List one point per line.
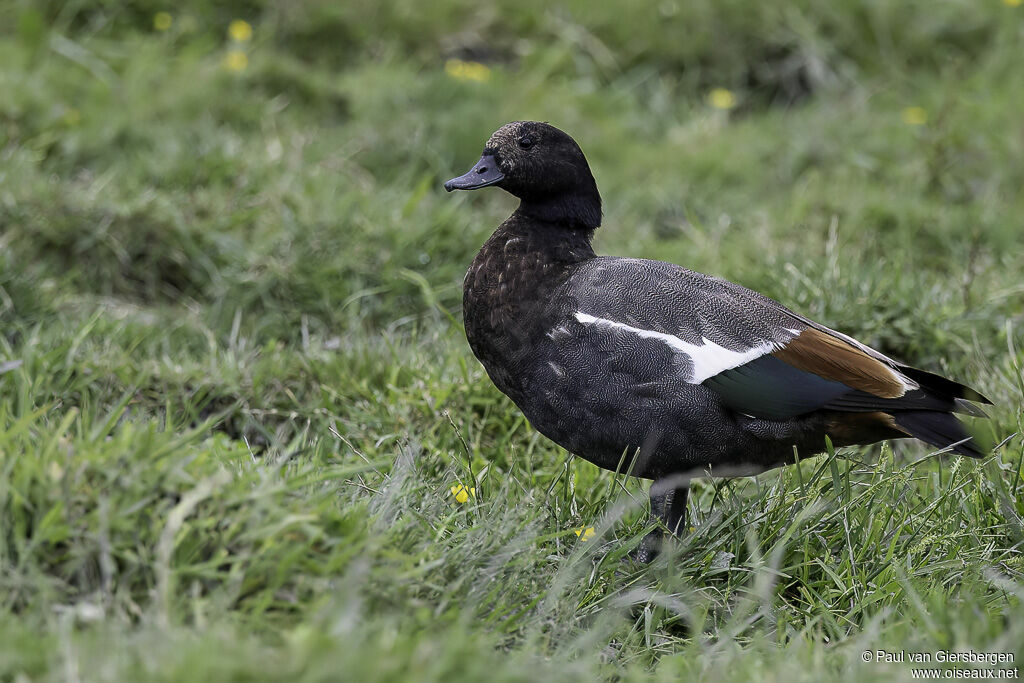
(542, 166)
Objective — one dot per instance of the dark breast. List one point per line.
(506, 297)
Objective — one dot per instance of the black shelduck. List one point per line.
(680, 371)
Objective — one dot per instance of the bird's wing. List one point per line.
(761, 358)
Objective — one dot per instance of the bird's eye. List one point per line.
(526, 142)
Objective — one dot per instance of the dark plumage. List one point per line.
(681, 371)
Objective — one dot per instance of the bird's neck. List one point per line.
(578, 210)
(524, 236)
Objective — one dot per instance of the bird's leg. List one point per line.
(668, 503)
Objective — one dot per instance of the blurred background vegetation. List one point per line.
(230, 290)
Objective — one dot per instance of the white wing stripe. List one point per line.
(708, 358)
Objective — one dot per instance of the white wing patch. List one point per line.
(708, 358)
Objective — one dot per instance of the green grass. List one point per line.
(235, 391)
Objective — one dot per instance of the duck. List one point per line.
(650, 368)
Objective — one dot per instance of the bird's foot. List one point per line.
(649, 548)
(668, 503)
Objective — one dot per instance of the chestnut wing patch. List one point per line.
(833, 359)
(815, 371)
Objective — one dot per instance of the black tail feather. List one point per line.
(943, 386)
(916, 400)
(938, 429)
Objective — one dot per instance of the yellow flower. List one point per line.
(236, 60)
(720, 98)
(240, 31)
(1012, 3)
(467, 71)
(915, 116)
(162, 21)
(462, 494)
(585, 533)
